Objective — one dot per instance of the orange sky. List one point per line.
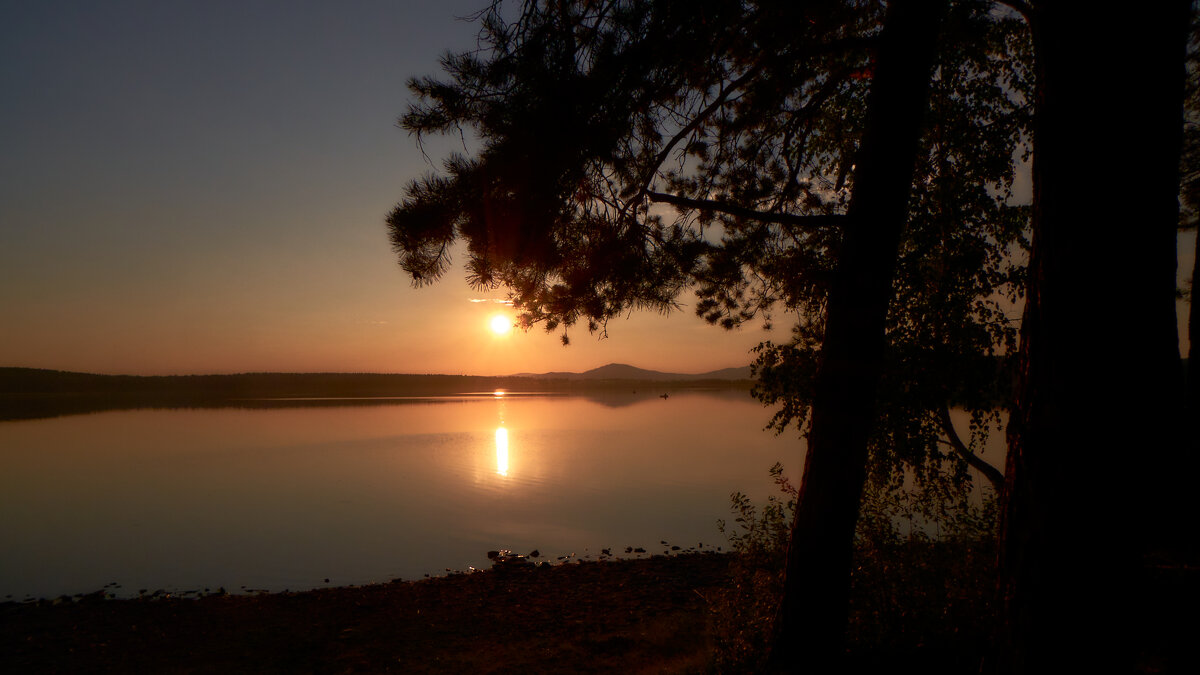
(200, 188)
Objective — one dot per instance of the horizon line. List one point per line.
(363, 372)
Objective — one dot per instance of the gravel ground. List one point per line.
(619, 616)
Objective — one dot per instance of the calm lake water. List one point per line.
(285, 498)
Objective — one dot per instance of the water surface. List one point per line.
(284, 498)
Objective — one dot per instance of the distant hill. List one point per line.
(622, 371)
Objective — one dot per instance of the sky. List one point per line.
(200, 187)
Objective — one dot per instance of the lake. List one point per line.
(326, 495)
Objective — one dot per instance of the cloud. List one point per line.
(498, 301)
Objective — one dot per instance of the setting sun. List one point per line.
(501, 324)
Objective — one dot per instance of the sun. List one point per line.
(501, 324)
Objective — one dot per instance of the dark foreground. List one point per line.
(659, 615)
(629, 616)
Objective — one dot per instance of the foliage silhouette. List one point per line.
(921, 582)
(755, 123)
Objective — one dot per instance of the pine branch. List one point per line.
(818, 221)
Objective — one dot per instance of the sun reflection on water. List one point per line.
(501, 436)
(502, 451)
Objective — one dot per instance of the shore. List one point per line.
(645, 615)
(666, 614)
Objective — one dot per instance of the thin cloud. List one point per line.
(497, 301)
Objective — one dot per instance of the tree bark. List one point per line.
(1093, 435)
(1193, 368)
(811, 621)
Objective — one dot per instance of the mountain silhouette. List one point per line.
(623, 371)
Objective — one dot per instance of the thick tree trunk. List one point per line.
(810, 626)
(1193, 368)
(1093, 437)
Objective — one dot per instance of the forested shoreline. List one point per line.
(27, 393)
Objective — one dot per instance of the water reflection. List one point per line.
(501, 436)
(502, 451)
(286, 497)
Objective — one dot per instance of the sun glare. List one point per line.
(501, 324)
(502, 451)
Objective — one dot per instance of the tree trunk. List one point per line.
(989, 472)
(811, 621)
(1193, 368)
(1093, 436)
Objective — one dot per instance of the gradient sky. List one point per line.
(200, 187)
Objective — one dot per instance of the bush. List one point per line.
(743, 614)
(921, 580)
